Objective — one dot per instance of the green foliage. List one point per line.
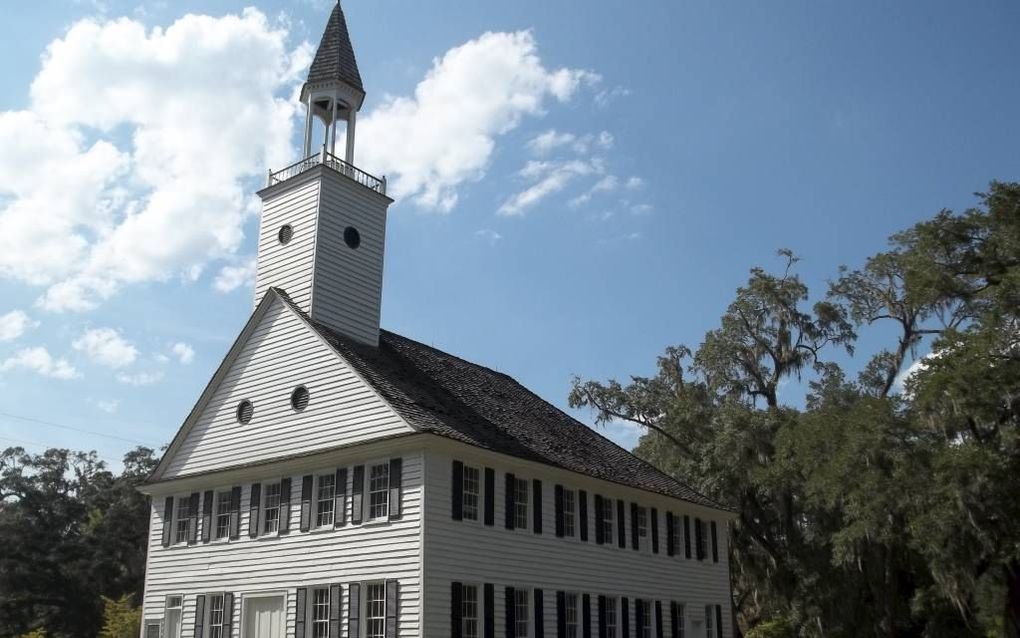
(121, 619)
(774, 628)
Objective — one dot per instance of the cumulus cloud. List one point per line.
(106, 347)
(443, 135)
(184, 353)
(139, 379)
(232, 277)
(40, 361)
(14, 324)
(206, 105)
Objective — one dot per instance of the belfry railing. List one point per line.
(330, 161)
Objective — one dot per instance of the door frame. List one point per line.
(276, 593)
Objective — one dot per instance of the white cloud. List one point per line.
(605, 97)
(108, 406)
(206, 105)
(444, 135)
(14, 324)
(233, 277)
(105, 346)
(140, 378)
(489, 235)
(184, 353)
(604, 185)
(552, 139)
(40, 361)
(552, 177)
(635, 183)
(641, 209)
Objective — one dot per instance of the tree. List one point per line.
(121, 618)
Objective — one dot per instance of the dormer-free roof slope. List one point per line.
(335, 58)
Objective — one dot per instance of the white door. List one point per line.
(263, 617)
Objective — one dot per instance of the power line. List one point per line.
(74, 429)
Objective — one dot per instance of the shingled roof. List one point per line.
(443, 394)
(335, 58)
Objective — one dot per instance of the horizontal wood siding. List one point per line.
(289, 266)
(467, 551)
(282, 563)
(348, 282)
(282, 353)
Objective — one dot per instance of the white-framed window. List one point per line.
(521, 503)
(271, 508)
(375, 610)
(569, 513)
(642, 528)
(572, 611)
(678, 535)
(182, 522)
(470, 610)
(522, 612)
(611, 621)
(472, 493)
(710, 631)
(215, 617)
(379, 491)
(325, 499)
(646, 619)
(607, 520)
(681, 620)
(223, 501)
(318, 618)
(703, 545)
(172, 616)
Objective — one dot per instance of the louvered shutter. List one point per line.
(687, 536)
(354, 609)
(585, 616)
(285, 505)
(392, 608)
(207, 507)
(655, 530)
(620, 513)
(539, 613)
(235, 513)
(715, 543)
(510, 612)
(639, 617)
(335, 605)
(490, 496)
(718, 621)
(489, 611)
(536, 508)
(658, 618)
(602, 617)
(456, 610)
(396, 488)
(340, 498)
(558, 505)
(582, 514)
(307, 482)
(253, 509)
(635, 541)
(199, 615)
(458, 491)
(511, 500)
(624, 618)
(670, 534)
(599, 519)
(193, 518)
(561, 614)
(674, 619)
(168, 520)
(300, 613)
(228, 615)
(699, 541)
(358, 495)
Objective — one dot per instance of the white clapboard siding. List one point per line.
(280, 354)
(348, 282)
(283, 563)
(468, 551)
(289, 266)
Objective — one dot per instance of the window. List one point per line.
(710, 622)
(352, 237)
(172, 617)
(320, 612)
(216, 616)
(324, 500)
(642, 527)
(245, 411)
(469, 611)
(299, 398)
(570, 607)
(607, 520)
(472, 489)
(703, 541)
(285, 234)
(569, 504)
(271, 508)
(646, 619)
(681, 622)
(379, 491)
(610, 617)
(222, 514)
(183, 521)
(521, 503)
(521, 615)
(678, 535)
(375, 611)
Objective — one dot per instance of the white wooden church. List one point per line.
(338, 480)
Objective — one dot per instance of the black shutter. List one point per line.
(624, 618)
(340, 498)
(235, 513)
(599, 518)
(539, 613)
(699, 541)
(511, 616)
(582, 514)
(489, 611)
(639, 617)
(458, 491)
(193, 518)
(536, 508)
(299, 613)
(561, 614)
(168, 520)
(392, 608)
(456, 608)
(490, 496)
(228, 614)
(306, 502)
(718, 621)
(658, 618)
(285, 505)
(634, 539)
(602, 617)
(334, 610)
(358, 495)
(354, 609)
(511, 500)
(396, 490)
(207, 505)
(585, 616)
(199, 615)
(253, 509)
(674, 619)
(558, 501)
(654, 522)
(715, 544)
(620, 514)
(687, 536)
(670, 533)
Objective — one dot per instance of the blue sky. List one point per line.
(578, 191)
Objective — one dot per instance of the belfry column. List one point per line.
(352, 117)
(308, 127)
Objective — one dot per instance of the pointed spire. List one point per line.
(334, 61)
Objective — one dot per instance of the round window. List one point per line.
(299, 398)
(245, 410)
(352, 237)
(286, 232)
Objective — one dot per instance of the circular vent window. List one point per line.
(245, 410)
(299, 398)
(286, 232)
(352, 237)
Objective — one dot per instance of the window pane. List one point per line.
(324, 500)
(469, 611)
(472, 488)
(571, 620)
(607, 520)
(222, 514)
(521, 507)
(216, 616)
(271, 509)
(610, 617)
(183, 520)
(375, 611)
(521, 599)
(709, 622)
(320, 613)
(568, 512)
(379, 491)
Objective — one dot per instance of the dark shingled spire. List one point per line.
(335, 58)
